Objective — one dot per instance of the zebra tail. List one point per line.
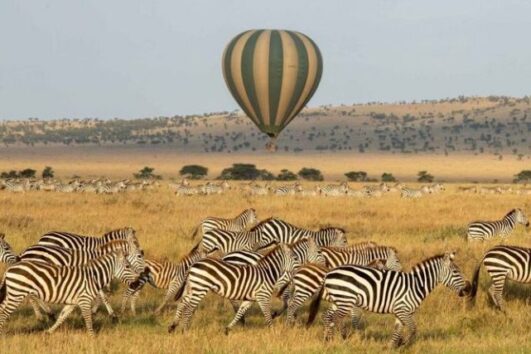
(282, 289)
(194, 234)
(475, 282)
(142, 279)
(180, 291)
(314, 307)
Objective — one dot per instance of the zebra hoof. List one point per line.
(274, 315)
(171, 328)
(115, 319)
(227, 331)
(51, 317)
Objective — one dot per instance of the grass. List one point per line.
(417, 228)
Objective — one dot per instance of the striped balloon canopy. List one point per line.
(272, 74)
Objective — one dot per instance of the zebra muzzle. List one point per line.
(466, 289)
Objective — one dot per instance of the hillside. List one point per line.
(478, 126)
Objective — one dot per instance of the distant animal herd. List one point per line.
(247, 261)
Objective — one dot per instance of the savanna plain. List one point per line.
(417, 228)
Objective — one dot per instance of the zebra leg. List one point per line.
(186, 308)
(328, 319)
(396, 340)
(245, 305)
(496, 292)
(285, 296)
(133, 302)
(338, 319)
(36, 308)
(297, 299)
(264, 301)
(170, 294)
(8, 306)
(409, 322)
(86, 312)
(356, 316)
(101, 296)
(65, 312)
(236, 306)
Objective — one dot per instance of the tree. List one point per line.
(286, 175)
(523, 176)
(245, 171)
(27, 173)
(146, 173)
(388, 177)
(194, 171)
(310, 174)
(425, 177)
(48, 172)
(10, 174)
(356, 176)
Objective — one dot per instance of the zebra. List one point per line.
(484, 230)
(213, 188)
(283, 232)
(333, 190)
(357, 193)
(186, 190)
(239, 223)
(166, 275)
(72, 286)
(406, 192)
(78, 242)
(437, 188)
(235, 282)
(228, 241)
(288, 189)
(376, 191)
(14, 187)
(7, 255)
(503, 262)
(308, 279)
(355, 288)
(259, 190)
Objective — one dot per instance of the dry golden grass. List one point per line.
(417, 228)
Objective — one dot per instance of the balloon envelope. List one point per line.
(272, 74)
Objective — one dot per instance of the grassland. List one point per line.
(417, 228)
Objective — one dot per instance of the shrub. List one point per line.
(425, 177)
(194, 171)
(356, 176)
(310, 174)
(146, 173)
(245, 171)
(388, 177)
(10, 174)
(48, 172)
(523, 176)
(286, 175)
(27, 173)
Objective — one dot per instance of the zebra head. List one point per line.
(6, 252)
(308, 251)
(123, 269)
(451, 276)
(392, 262)
(521, 218)
(291, 261)
(253, 218)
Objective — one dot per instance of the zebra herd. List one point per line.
(98, 186)
(245, 261)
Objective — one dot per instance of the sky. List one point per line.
(138, 58)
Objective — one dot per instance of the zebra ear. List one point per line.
(450, 255)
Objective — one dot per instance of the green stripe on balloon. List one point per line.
(248, 73)
(276, 63)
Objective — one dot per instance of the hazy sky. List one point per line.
(139, 58)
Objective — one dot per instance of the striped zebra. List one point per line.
(283, 232)
(258, 189)
(71, 286)
(355, 288)
(14, 187)
(334, 190)
(308, 279)
(239, 223)
(503, 262)
(213, 188)
(79, 242)
(291, 189)
(228, 241)
(186, 190)
(252, 283)
(358, 193)
(163, 275)
(7, 255)
(411, 193)
(484, 230)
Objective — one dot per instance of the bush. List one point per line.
(425, 177)
(286, 175)
(48, 172)
(10, 174)
(523, 176)
(388, 177)
(310, 174)
(146, 173)
(194, 171)
(356, 176)
(245, 171)
(27, 173)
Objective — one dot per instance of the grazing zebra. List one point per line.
(484, 230)
(358, 193)
(252, 283)
(78, 242)
(14, 187)
(186, 190)
(502, 263)
(7, 255)
(355, 288)
(166, 275)
(213, 188)
(259, 190)
(288, 189)
(308, 279)
(437, 188)
(283, 232)
(333, 190)
(72, 286)
(239, 223)
(406, 192)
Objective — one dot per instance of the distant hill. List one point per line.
(474, 125)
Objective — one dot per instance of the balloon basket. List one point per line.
(271, 146)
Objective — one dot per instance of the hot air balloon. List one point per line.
(272, 74)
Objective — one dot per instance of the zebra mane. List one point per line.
(512, 212)
(274, 249)
(427, 261)
(329, 228)
(257, 226)
(113, 246)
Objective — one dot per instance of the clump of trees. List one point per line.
(424, 177)
(147, 173)
(25, 173)
(523, 176)
(194, 171)
(356, 176)
(310, 174)
(245, 171)
(286, 175)
(388, 177)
